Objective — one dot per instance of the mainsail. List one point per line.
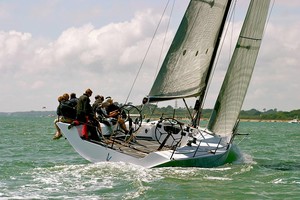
(237, 78)
(185, 68)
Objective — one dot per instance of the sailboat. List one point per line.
(294, 121)
(185, 73)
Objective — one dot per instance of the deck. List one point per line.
(138, 148)
(141, 147)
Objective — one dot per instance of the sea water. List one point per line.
(33, 166)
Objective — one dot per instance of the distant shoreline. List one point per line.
(263, 120)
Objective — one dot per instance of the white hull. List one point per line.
(294, 121)
(208, 154)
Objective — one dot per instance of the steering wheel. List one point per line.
(132, 117)
(168, 131)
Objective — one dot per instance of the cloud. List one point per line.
(12, 45)
(105, 59)
(38, 66)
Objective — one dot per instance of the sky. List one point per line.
(51, 47)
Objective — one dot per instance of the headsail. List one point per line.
(184, 70)
(237, 78)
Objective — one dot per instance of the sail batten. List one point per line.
(238, 75)
(185, 68)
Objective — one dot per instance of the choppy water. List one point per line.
(33, 166)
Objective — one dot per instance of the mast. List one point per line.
(199, 103)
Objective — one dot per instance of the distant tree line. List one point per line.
(271, 114)
(169, 111)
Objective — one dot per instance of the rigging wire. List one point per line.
(164, 41)
(232, 20)
(147, 51)
(219, 52)
(231, 36)
(161, 51)
(268, 19)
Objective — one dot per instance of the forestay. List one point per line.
(186, 64)
(236, 82)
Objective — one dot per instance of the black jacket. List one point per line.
(84, 107)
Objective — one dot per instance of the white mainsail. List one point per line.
(237, 78)
(184, 70)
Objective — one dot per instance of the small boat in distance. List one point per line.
(294, 121)
(185, 73)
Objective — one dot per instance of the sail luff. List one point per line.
(238, 75)
(196, 121)
(184, 70)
